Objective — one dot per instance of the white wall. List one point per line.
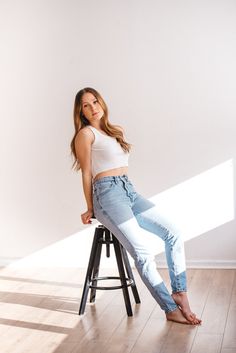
(167, 72)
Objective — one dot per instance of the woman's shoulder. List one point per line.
(85, 131)
(85, 134)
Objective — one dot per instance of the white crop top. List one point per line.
(106, 153)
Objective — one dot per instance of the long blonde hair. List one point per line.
(80, 122)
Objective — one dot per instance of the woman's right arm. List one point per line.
(83, 143)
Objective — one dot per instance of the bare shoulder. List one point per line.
(83, 142)
(85, 135)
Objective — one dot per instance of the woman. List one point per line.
(100, 150)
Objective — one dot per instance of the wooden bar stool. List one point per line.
(102, 236)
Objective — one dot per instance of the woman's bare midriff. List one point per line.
(112, 172)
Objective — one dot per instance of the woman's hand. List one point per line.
(86, 217)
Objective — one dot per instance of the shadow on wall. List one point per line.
(195, 206)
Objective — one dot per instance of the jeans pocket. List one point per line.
(104, 188)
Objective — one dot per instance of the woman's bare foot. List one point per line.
(177, 316)
(181, 300)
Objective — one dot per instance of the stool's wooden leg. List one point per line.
(122, 276)
(89, 272)
(96, 266)
(130, 275)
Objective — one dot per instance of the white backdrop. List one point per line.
(167, 72)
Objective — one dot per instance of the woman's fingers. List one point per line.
(86, 217)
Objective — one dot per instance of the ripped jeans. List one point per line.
(127, 215)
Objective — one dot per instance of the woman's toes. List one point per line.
(177, 316)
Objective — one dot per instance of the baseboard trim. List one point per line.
(220, 264)
(5, 261)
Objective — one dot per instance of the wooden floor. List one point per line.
(39, 314)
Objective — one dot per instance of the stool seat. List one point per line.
(103, 236)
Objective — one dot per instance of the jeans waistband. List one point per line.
(115, 178)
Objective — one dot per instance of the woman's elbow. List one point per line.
(86, 173)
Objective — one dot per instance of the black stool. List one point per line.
(102, 236)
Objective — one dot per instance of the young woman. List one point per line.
(101, 152)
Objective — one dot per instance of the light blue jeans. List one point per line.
(127, 214)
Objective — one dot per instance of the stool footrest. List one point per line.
(129, 282)
(104, 237)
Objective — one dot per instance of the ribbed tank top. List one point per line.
(106, 153)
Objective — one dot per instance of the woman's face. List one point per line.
(91, 108)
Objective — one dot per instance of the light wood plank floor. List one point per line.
(39, 314)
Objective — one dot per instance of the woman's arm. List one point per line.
(83, 143)
(87, 187)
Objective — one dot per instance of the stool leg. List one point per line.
(130, 275)
(89, 272)
(122, 275)
(108, 239)
(96, 267)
